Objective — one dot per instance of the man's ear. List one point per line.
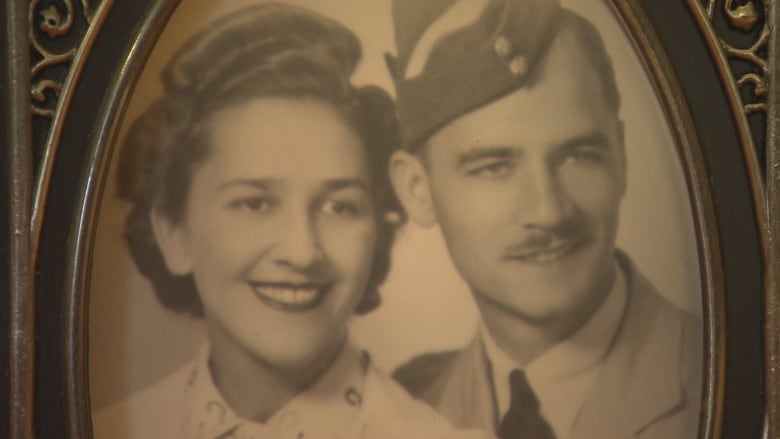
(410, 181)
(171, 243)
(621, 138)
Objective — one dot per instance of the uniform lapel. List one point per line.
(641, 378)
(467, 396)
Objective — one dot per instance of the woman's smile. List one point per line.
(291, 297)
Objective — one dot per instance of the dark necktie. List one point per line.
(523, 420)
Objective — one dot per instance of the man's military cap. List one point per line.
(457, 55)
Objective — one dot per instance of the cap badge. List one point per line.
(518, 65)
(503, 47)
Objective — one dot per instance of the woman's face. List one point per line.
(278, 230)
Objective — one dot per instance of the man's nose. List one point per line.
(298, 244)
(547, 202)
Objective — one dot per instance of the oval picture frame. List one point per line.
(70, 77)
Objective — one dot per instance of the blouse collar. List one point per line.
(324, 409)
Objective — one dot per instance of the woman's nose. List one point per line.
(298, 245)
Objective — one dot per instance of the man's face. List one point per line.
(527, 190)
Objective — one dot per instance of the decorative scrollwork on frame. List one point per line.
(56, 32)
(746, 17)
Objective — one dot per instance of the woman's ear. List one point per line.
(410, 181)
(171, 243)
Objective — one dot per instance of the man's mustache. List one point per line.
(544, 239)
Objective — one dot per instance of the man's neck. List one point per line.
(525, 339)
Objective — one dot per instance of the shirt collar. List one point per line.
(562, 376)
(322, 410)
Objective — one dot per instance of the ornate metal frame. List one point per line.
(49, 44)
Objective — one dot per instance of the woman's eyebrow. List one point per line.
(257, 183)
(344, 183)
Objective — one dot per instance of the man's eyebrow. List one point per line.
(596, 138)
(344, 183)
(257, 183)
(486, 152)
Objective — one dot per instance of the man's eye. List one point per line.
(340, 208)
(586, 156)
(492, 170)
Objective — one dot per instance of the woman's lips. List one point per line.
(290, 297)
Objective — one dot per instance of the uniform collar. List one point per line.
(641, 378)
(322, 410)
(562, 377)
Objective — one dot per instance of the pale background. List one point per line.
(134, 342)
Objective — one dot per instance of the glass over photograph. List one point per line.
(395, 219)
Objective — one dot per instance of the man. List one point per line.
(514, 147)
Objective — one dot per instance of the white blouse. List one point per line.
(351, 400)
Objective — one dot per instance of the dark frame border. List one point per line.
(19, 170)
(772, 293)
(26, 201)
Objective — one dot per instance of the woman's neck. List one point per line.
(253, 388)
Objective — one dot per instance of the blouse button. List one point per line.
(353, 397)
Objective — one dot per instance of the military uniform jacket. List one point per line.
(649, 387)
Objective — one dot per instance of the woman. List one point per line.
(260, 200)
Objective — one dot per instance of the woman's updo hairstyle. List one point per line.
(268, 50)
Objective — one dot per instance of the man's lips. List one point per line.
(545, 253)
(291, 297)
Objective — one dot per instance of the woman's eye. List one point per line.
(251, 204)
(340, 208)
(492, 170)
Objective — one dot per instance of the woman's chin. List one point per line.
(296, 354)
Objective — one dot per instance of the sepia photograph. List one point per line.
(397, 219)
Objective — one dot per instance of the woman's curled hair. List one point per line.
(269, 50)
